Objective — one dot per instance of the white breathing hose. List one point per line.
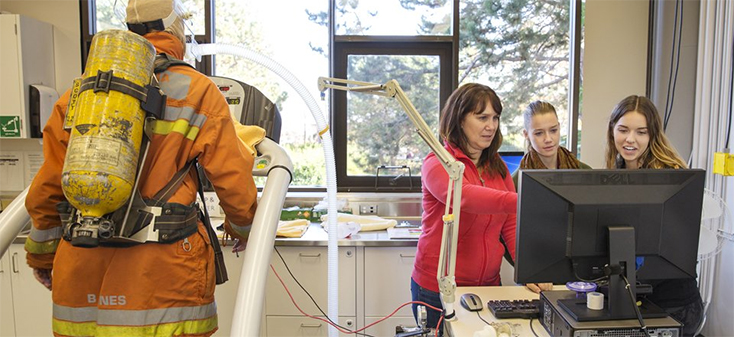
(333, 281)
(12, 221)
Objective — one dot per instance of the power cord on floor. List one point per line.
(328, 320)
(307, 294)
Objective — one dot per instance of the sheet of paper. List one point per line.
(11, 171)
(33, 162)
(403, 233)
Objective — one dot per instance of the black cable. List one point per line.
(575, 273)
(483, 320)
(677, 65)
(672, 60)
(311, 297)
(731, 94)
(533, 329)
(627, 286)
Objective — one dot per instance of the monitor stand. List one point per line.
(618, 303)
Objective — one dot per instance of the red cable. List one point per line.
(365, 327)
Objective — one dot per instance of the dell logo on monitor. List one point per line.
(615, 179)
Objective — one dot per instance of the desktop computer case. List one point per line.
(559, 323)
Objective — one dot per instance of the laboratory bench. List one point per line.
(315, 235)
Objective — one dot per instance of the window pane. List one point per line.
(111, 14)
(393, 17)
(581, 78)
(521, 49)
(379, 131)
(259, 26)
(196, 22)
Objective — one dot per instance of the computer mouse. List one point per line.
(471, 302)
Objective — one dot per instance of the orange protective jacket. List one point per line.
(151, 289)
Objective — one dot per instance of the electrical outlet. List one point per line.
(367, 209)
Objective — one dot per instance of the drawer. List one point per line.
(309, 266)
(289, 326)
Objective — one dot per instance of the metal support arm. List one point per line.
(454, 168)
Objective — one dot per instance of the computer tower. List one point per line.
(559, 323)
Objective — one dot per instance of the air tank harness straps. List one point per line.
(152, 100)
(163, 61)
(175, 222)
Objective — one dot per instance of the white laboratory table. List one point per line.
(467, 322)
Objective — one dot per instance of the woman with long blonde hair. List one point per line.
(635, 140)
(655, 152)
(542, 132)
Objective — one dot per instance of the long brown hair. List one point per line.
(472, 98)
(659, 153)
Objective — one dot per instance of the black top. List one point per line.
(674, 292)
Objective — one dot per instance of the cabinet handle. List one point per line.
(310, 325)
(309, 255)
(15, 262)
(406, 256)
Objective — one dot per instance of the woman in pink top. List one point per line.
(469, 126)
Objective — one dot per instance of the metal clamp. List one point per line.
(103, 81)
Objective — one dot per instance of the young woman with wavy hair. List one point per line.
(635, 140)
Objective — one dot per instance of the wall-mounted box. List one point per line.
(26, 58)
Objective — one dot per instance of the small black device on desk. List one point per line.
(514, 309)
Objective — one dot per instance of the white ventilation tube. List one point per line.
(239, 324)
(12, 221)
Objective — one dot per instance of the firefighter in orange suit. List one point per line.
(149, 289)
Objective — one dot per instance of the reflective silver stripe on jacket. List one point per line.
(241, 230)
(133, 317)
(174, 113)
(43, 235)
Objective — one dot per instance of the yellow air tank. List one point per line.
(106, 130)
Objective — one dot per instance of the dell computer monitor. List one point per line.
(571, 224)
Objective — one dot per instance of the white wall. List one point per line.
(682, 114)
(719, 320)
(64, 16)
(614, 67)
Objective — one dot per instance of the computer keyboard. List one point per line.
(514, 309)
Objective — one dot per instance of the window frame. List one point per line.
(88, 13)
(341, 46)
(370, 45)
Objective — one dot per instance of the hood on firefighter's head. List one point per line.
(170, 12)
(149, 10)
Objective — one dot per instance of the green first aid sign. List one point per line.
(9, 126)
